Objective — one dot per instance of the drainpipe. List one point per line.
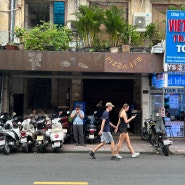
(12, 20)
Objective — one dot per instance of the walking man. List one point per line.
(78, 115)
(106, 136)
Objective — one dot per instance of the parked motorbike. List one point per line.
(91, 128)
(145, 131)
(158, 136)
(9, 137)
(28, 135)
(57, 135)
(66, 124)
(42, 139)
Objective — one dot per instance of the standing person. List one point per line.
(124, 136)
(78, 115)
(106, 136)
(33, 114)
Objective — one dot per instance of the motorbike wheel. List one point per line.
(30, 148)
(6, 148)
(144, 134)
(165, 150)
(25, 148)
(57, 149)
(41, 148)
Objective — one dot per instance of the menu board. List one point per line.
(177, 128)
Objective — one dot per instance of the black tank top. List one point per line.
(122, 123)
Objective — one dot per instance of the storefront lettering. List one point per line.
(119, 65)
(174, 91)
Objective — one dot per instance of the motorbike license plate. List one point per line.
(40, 138)
(167, 142)
(2, 142)
(91, 136)
(23, 140)
(56, 144)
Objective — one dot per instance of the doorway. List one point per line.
(18, 104)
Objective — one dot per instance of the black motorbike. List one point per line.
(42, 139)
(157, 137)
(147, 128)
(91, 128)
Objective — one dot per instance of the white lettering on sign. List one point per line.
(174, 91)
(180, 48)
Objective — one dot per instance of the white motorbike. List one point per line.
(57, 135)
(27, 135)
(10, 137)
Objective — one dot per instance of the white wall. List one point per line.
(145, 98)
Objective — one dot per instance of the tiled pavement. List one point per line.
(139, 145)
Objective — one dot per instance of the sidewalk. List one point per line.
(139, 145)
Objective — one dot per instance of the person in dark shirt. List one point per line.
(106, 136)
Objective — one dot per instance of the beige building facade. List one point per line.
(28, 87)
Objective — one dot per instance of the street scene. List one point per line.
(92, 92)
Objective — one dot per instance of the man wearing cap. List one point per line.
(106, 136)
(78, 115)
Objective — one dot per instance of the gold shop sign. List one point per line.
(132, 63)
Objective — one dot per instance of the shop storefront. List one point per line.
(169, 102)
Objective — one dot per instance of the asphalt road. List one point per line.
(27, 169)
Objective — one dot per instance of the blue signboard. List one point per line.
(158, 80)
(82, 105)
(176, 80)
(175, 37)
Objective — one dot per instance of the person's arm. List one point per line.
(73, 114)
(124, 116)
(102, 126)
(116, 129)
(112, 125)
(81, 114)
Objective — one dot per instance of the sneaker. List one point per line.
(114, 158)
(118, 156)
(135, 155)
(91, 153)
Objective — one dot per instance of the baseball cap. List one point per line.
(109, 104)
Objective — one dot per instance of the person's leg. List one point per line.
(129, 144)
(120, 142)
(75, 133)
(81, 135)
(98, 146)
(112, 148)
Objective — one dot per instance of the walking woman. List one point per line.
(124, 136)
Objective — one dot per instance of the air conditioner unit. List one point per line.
(141, 20)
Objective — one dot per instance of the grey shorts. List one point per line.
(106, 137)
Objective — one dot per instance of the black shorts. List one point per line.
(123, 129)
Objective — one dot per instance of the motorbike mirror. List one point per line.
(68, 112)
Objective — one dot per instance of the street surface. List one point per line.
(27, 169)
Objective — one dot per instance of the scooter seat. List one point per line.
(56, 130)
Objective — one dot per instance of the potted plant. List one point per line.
(114, 23)
(87, 23)
(48, 36)
(11, 46)
(152, 35)
(20, 33)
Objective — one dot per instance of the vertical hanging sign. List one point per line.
(175, 37)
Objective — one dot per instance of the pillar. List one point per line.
(145, 97)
